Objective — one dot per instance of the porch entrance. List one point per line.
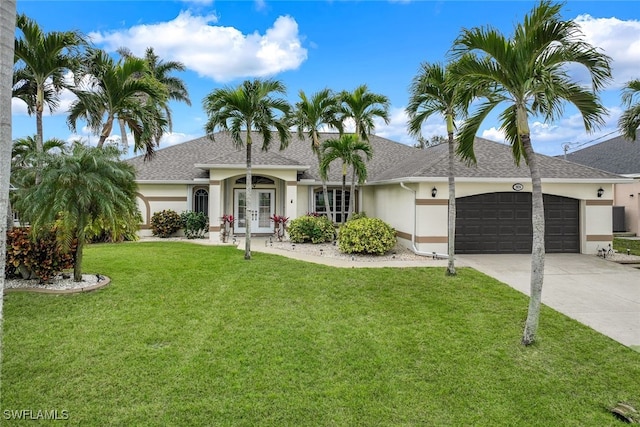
(260, 212)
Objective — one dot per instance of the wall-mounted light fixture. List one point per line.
(600, 192)
(434, 192)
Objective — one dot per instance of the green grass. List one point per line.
(621, 245)
(194, 335)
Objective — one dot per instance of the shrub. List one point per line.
(194, 224)
(366, 236)
(357, 215)
(165, 223)
(40, 258)
(316, 229)
(127, 227)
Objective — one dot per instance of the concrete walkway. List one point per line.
(599, 293)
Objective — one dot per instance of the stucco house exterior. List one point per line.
(406, 187)
(620, 156)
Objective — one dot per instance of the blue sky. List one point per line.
(310, 45)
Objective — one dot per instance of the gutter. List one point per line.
(415, 225)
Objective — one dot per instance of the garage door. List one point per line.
(501, 223)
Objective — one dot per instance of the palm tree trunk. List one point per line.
(325, 194)
(123, 136)
(77, 265)
(248, 211)
(451, 241)
(9, 215)
(39, 111)
(7, 37)
(352, 192)
(537, 250)
(106, 131)
(344, 187)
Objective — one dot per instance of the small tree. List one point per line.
(77, 190)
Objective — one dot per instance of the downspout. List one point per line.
(415, 225)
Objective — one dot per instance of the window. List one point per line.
(334, 201)
(201, 201)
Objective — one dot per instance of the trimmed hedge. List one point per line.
(366, 236)
(315, 229)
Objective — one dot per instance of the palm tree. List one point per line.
(434, 92)
(42, 61)
(630, 120)
(114, 91)
(7, 34)
(347, 148)
(89, 185)
(362, 107)
(526, 72)
(161, 71)
(26, 159)
(243, 109)
(311, 114)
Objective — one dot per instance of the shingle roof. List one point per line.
(617, 155)
(391, 161)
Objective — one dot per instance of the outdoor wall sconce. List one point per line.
(600, 192)
(434, 192)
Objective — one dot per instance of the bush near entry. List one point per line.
(311, 228)
(165, 223)
(366, 236)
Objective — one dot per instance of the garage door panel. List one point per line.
(501, 223)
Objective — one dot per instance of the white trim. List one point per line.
(206, 166)
(503, 180)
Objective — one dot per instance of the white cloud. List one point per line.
(218, 52)
(617, 38)
(396, 130)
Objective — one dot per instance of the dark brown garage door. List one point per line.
(498, 223)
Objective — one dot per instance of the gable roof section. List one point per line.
(391, 161)
(616, 155)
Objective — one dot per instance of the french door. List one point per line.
(260, 212)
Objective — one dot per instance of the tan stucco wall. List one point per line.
(628, 195)
(158, 197)
(303, 204)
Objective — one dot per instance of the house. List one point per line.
(406, 187)
(620, 156)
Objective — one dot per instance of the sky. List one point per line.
(316, 44)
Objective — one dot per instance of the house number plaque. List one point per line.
(517, 186)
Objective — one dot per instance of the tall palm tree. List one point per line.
(7, 34)
(114, 91)
(349, 149)
(161, 71)
(253, 105)
(527, 73)
(362, 106)
(42, 61)
(311, 114)
(630, 120)
(433, 91)
(90, 184)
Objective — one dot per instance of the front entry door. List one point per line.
(261, 210)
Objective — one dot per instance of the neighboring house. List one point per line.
(406, 187)
(622, 157)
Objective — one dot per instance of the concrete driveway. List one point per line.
(599, 293)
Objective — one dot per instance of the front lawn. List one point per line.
(621, 245)
(195, 335)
